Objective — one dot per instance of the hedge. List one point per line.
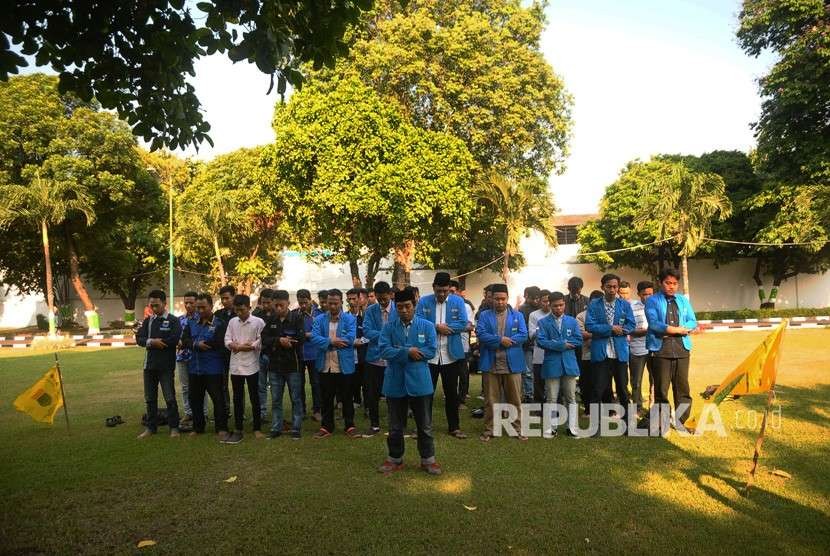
(762, 313)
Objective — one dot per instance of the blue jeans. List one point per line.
(278, 381)
(264, 360)
(527, 376)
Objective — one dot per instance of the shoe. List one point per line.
(521, 438)
(274, 434)
(174, 433)
(351, 432)
(222, 436)
(572, 434)
(431, 468)
(477, 413)
(390, 467)
(322, 433)
(234, 438)
(316, 416)
(413, 434)
(187, 419)
(295, 435)
(147, 433)
(258, 434)
(372, 431)
(458, 434)
(485, 437)
(192, 433)
(550, 434)
(462, 407)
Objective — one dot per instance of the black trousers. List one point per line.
(449, 380)
(421, 407)
(336, 385)
(212, 384)
(464, 379)
(239, 382)
(357, 381)
(226, 392)
(636, 365)
(674, 373)
(374, 387)
(603, 372)
(539, 385)
(586, 387)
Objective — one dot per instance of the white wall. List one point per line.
(712, 289)
(727, 287)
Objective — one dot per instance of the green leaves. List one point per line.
(359, 179)
(135, 57)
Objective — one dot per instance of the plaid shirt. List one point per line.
(185, 353)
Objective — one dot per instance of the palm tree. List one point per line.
(45, 202)
(684, 203)
(518, 209)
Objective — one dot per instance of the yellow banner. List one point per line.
(43, 400)
(755, 375)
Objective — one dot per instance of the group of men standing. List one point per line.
(397, 345)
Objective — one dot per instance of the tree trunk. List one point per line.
(355, 271)
(92, 318)
(684, 264)
(50, 293)
(372, 267)
(404, 255)
(223, 279)
(505, 269)
(762, 296)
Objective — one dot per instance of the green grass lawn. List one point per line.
(99, 490)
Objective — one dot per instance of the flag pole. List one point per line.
(63, 395)
(760, 440)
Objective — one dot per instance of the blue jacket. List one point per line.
(309, 351)
(596, 322)
(346, 329)
(403, 376)
(211, 361)
(559, 360)
(456, 319)
(372, 327)
(656, 306)
(487, 332)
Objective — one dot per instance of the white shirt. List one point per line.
(442, 354)
(532, 331)
(245, 332)
(465, 336)
(638, 343)
(332, 355)
(610, 350)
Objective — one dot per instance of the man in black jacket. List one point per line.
(225, 314)
(159, 334)
(282, 341)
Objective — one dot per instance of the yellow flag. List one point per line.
(43, 399)
(755, 375)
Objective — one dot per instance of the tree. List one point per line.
(127, 252)
(225, 219)
(518, 210)
(616, 229)
(473, 70)
(135, 57)
(793, 134)
(683, 204)
(46, 202)
(793, 131)
(361, 181)
(67, 141)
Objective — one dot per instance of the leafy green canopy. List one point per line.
(359, 179)
(136, 57)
